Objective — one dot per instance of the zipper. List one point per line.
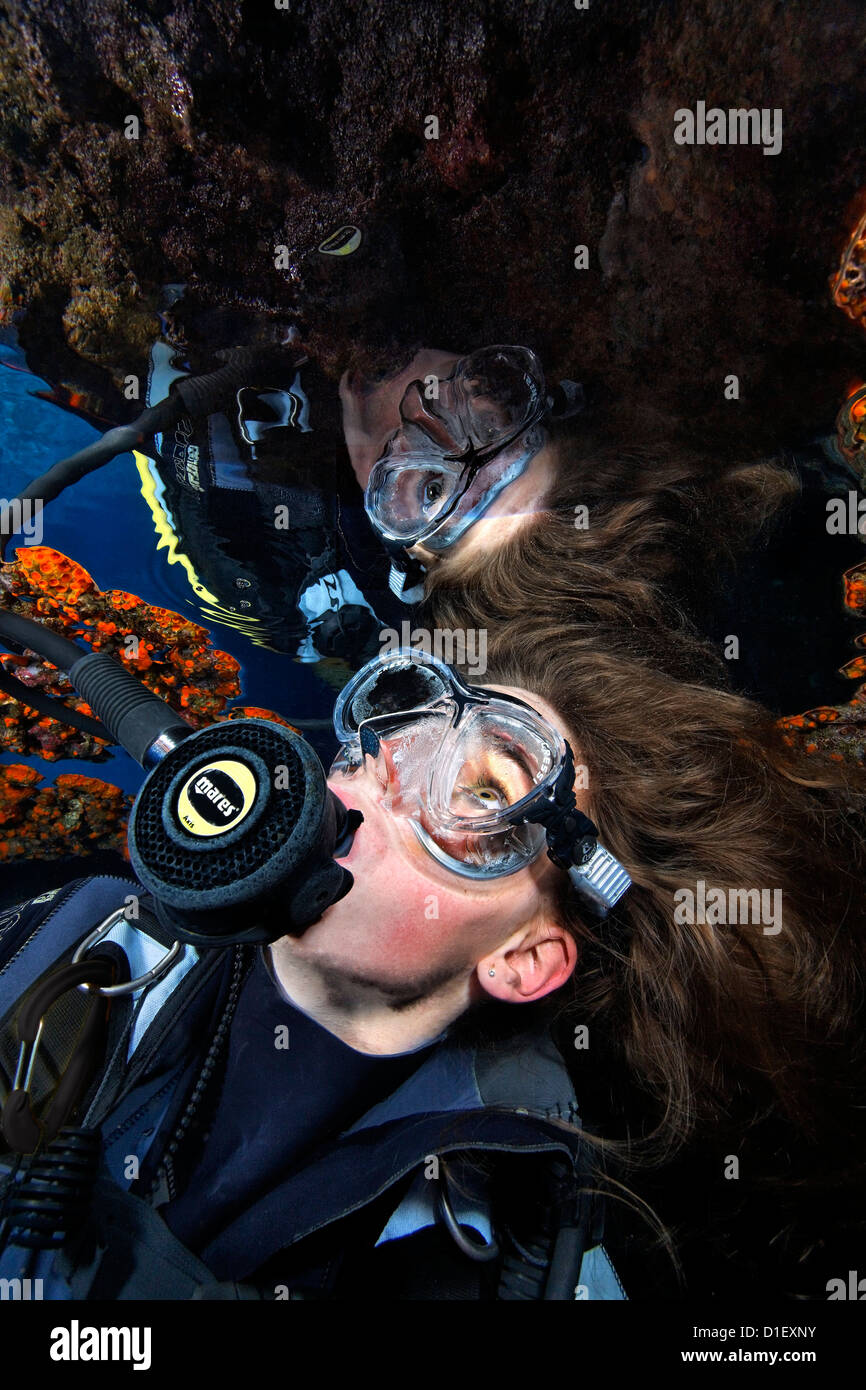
(165, 1177)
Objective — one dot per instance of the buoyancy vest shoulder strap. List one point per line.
(47, 932)
(40, 938)
(126, 1251)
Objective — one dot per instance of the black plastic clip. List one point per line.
(22, 1131)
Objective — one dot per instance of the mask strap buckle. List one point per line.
(571, 836)
(572, 844)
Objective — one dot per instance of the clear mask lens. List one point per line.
(489, 399)
(461, 776)
(408, 492)
(488, 768)
(402, 749)
(490, 396)
(400, 681)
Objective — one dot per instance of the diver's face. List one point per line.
(409, 920)
(371, 414)
(507, 515)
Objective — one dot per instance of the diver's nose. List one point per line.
(363, 787)
(423, 555)
(370, 742)
(370, 773)
(416, 410)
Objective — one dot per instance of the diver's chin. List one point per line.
(330, 918)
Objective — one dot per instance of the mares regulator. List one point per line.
(234, 833)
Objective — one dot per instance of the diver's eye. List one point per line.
(488, 796)
(482, 795)
(432, 492)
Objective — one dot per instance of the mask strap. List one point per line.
(571, 836)
(567, 399)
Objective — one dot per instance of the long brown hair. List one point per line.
(647, 516)
(688, 783)
(704, 1040)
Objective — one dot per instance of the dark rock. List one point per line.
(262, 127)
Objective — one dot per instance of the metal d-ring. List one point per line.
(489, 1250)
(131, 985)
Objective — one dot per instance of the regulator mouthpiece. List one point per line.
(234, 834)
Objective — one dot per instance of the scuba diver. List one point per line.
(469, 465)
(244, 468)
(299, 1114)
(475, 1024)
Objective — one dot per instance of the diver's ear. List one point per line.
(531, 964)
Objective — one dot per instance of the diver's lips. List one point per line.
(352, 822)
(343, 854)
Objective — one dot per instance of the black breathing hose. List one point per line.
(195, 395)
(116, 441)
(133, 716)
(55, 709)
(26, 632)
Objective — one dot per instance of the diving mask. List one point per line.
(484, 781)
(454, 452)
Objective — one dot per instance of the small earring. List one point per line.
(491, 971)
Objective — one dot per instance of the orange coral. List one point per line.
(41, 568)
(77, 816)
(854, 581)
(841, 729)
(851, 430)
(848, 283)
(256, 712)
(174, 658)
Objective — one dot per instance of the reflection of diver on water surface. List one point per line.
(251, 491)
(255, 495)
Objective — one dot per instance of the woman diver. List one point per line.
(457, 453)
(472, 464)
(716, 1050)
(716, 1060)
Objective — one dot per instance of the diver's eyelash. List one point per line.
(485, 784)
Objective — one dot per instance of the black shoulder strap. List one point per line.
(545, 1238)
(545, 1217)
(127, 1251)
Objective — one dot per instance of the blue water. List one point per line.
(104, 523)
